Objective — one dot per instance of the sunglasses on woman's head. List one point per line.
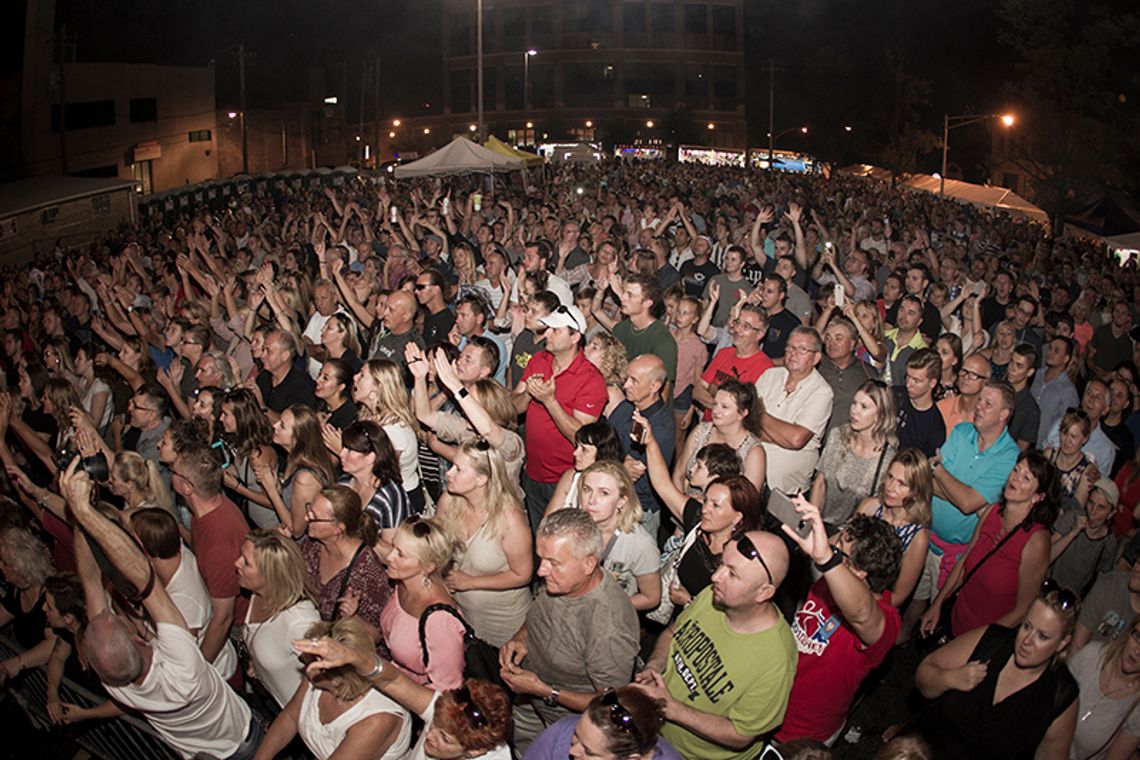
(1066, 599)
(420, 527)
(471, 711)
(620, 718)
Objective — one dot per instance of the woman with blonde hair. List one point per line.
(1108, 673)
(308, 467)
(282, 607)
(336, 711)
(868, 321)
(422, 555)
(608, 354)
(903, 502)
(383, 398)
(25, 567)
(606, 494)
(855, 454)
(138, 483)
(338, 337)
(491, 579)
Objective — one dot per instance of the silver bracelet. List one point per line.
(377, 670)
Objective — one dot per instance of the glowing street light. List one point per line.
(427, 130)
(953, 122)
(711, 125)
(526, 77)
(530, 125)
(649, 124)
(395, 122)
(589, 124)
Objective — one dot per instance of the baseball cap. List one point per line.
(1109, 489)
(565, 316)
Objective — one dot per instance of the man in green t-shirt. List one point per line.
(641, 332)
(725, 668)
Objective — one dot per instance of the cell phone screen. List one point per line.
(781, 507)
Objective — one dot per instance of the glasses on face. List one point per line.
(310, 516)
(471, 711)
(745, 546)
(799, 350)
(620, 718)
(422, 285)
(971, 374)
(1066, 599)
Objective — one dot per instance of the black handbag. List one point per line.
(481, 660)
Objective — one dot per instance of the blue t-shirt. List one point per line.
(984, 471)
(554, 743)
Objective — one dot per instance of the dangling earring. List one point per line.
(426, 582)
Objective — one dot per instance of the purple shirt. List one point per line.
(554, 743)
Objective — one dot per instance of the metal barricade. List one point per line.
(124, 738)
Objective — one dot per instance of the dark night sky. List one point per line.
(842, 41)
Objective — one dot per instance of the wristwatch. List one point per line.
(552, 699)
(835, 559)
(462, 392)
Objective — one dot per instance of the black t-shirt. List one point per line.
(1125, 446)
(992, 312)
(28, 627)
(699, 563)
(437, 326)
(931, 321)
(925, 431)
(296, 388)
(696, 276)
(522, 351)
(780, 327)
(344, 415)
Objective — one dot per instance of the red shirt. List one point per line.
(1129, 496)
(726, 365)
(832, 663)
(578, 388)
(217, 545)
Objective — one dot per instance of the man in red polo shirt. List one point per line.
(560, 391)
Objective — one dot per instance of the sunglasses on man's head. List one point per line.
(745, 546)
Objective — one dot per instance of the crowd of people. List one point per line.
(627, 461)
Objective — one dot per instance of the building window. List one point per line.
(724, 88)
(586, 86)
(462, 100)
(144, 110)
(514, 29)
(724, 27)
(586, 23)
(661, 22)
(633, 25)
(649, 85)
(696, 86)
(696, 26)
(542, 27)
(200, 135)
(88, 115)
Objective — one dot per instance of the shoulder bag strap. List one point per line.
(989, 554)
(878, 469)
(468, 632)
(348, 571)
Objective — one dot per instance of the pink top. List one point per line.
(691, 357)
(992, 591)
(445, 644)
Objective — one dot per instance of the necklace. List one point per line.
(1108, 692)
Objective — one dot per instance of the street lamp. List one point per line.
(526, 77)
(772, 139)
(953, 122)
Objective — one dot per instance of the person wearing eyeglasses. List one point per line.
(438, 318)
(1003, 690)
(846, 626)
(797, 404)
(619, 724)
(335, 710)
(1099, 447)
(724, 668)
(972, 377)
(470, 722)
(1108, 725)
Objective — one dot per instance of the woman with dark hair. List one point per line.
(334, 393)
(372, 471)
(308, 467)
(471, 722)
(1003, 691)
(622, 724)
(949, 348)
(998, 575)
(593, 442)
(249, 438)
(736, 422)
(339, 563)
(855, 454)
(208, 406)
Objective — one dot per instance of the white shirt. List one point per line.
(276, 664)
(407, 446)
(555, 285)
(188, 592)
(809, 405)
(323, 739)
(185, 700)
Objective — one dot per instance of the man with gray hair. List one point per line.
(580, 636)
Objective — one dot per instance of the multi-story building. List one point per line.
(619, 70)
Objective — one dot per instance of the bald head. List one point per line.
(112, 651)
(645, 379)
(774, 551)
(400, 311)
(745, 582)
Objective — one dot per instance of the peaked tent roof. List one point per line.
(867, 170)
(999, 198)
(460, 156)
(497, 145)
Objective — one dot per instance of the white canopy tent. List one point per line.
(460, 156)
(999, 198)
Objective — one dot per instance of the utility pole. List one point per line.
(60, 42)
(241, 96)
(376, 142)
(479, 56)
(772, 107)
(360, 123)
